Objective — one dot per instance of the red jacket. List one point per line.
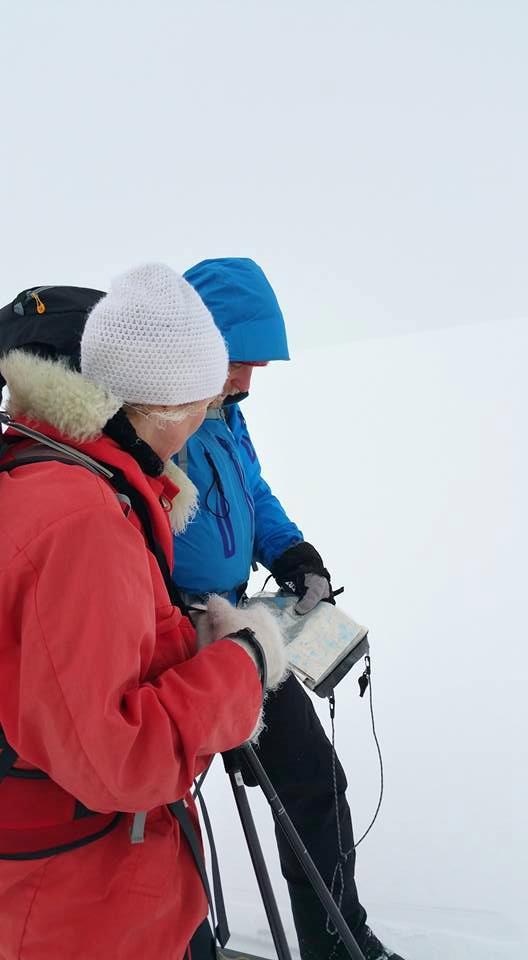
(101, 688)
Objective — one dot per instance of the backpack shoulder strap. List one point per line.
(41, 453)
(67, 454)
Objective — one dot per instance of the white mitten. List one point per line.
(221, 619)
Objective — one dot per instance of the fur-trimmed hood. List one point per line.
(50, 391)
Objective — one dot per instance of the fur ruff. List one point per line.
(221, 618)
(185, 505)
(50, 391)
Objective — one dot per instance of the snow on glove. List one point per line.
(300, 570)
(222, 619)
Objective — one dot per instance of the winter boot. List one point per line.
(372, 948)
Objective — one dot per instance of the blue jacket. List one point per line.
(239, 519)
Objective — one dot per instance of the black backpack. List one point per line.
(48, 321)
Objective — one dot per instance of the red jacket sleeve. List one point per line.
(87, 632)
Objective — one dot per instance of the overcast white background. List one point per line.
(372, 157)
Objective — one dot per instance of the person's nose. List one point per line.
(242, 379)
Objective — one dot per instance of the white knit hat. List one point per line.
(152, 340)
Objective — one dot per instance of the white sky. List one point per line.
(371, 155)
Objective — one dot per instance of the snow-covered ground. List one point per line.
(404, 460)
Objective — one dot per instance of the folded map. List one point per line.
(322, 645)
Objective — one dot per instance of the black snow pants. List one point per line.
(297, 756)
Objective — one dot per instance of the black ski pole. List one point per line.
(301, 852)
(232, 766)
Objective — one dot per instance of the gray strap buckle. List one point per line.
(137, 830)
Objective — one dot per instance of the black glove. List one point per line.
(300, 570)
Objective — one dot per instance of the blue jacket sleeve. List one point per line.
(274, 531)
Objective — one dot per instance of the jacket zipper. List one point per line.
(41, 307)
(241, 478)
(34, 295)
